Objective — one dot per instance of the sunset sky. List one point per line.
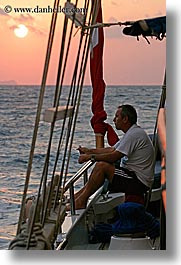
(126, 60)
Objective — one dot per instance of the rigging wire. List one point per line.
(81, 75)
(75, 103)
(56, 101)
(86, 46)
(58, 91)
(46, 163)
(37, 120)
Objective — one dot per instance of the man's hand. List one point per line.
(83, 158)
(83, 150)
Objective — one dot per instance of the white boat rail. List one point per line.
(70, 183)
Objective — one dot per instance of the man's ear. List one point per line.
(125, 119)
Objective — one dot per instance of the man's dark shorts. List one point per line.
(126, 181)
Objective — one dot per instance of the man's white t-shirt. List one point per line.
(139, 154)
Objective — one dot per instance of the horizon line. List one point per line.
(39, 85)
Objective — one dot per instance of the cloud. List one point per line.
(25, 18)
(28, 20)
(38, 31)
(112, 19)
(114, 3)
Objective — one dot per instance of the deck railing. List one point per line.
(70, 183)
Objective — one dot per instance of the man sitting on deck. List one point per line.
(128, 165)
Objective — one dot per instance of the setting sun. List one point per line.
(21, 31)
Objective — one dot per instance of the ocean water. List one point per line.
(17, 115)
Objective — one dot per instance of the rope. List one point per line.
(57, 97)
(78, 96)
(94, 11)
(103, 25)
(75, 96)
(56, 101)
(46, 66)
(22, 241)
(74, 103)
(81, 77)
(56, 104)
(40, 103)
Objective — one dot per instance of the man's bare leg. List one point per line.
(77, 194)
(101, 171)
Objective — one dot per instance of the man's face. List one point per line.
(118, 120)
